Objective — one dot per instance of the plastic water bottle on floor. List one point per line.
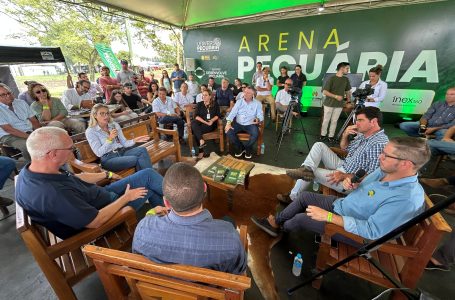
(297, 266)
(193, 152)
(262, 148)
(315, 186)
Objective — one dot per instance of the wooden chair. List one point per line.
(243, 136)
(132, 276)
(217, 134)
(10, 151)
(62, 261)
(405, 257)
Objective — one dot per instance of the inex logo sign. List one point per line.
(209, 46)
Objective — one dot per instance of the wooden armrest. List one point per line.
(332, 229)
(85, 167)
(167, 131)
(125, 215)
(244, 236)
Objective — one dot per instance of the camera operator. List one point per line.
(379, 86)
(283, 97)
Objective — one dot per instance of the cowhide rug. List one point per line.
(260, 200)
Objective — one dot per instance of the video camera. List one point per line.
(294, 92)
(362, 94)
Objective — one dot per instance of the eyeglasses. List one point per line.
(72, 148)
(103, 113)
(5, 94)
(394, 157)
(41, 91)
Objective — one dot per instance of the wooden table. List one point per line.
(232, 163)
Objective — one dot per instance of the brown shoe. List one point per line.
(304, 173)
(434, 183)
(5, 201)
(284, 199)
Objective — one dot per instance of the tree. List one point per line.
(74, 28)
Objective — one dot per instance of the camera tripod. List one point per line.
(360, 104)
(285, 125)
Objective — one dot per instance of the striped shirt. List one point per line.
(441, 114)
(363, 152)
(97, 138)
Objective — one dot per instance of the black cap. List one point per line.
(128, 85)
(124, 62)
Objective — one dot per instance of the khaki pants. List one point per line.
(18, 143)
(331, 114)
(270, 100)
(281, 108)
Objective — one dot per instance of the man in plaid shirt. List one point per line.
(363, 153)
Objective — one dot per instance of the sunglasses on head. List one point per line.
(41, 91)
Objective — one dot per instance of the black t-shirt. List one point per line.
(62, 203)
(282, 79)
(132, 100)
(297, 81)
(202, 111)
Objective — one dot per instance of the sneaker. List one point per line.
(331, 140)
(239, 153)
(248, 154)
(182, 141)
(284, 199)
(304, 173)
(265, 225)
(322, 138)
(434, 267)
(5, 201)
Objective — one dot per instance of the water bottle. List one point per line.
(262, 148)
(297, 266)
(315, 186)
(193, 152)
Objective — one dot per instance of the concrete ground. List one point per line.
(21, 278)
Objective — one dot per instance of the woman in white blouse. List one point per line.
(379, 86)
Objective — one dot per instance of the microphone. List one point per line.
(357, 176)
(111, 127)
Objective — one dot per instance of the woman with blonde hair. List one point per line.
(107, 141)
(51, 111)
(126, 113)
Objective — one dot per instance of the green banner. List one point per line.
(415, 44)
(108, 57)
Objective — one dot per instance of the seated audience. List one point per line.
(152, 93)
(444, 146)
(212, 85)
(183, 99)
(165, 82)
(66, 204)
(152, 78)
(126, 75)
(16, 121)
(107, 83)
(167, 112)
(205, 120)
(25, 94)
(125, 112)
(7, 166)
(108, 143)
(134, 101)
(379, 86)
(199, 96)
(52, 112)
(438, 118)
(224, 97)
(72, 98)
(385, 199)
(237, 88)
(282, 78)
(95, 88)
(142, 84)
(189, 235)
(363, 152)
(264, 86)
(193, 86)
(283, 97)
(248, 114)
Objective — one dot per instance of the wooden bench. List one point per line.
(404, 257)
(87, 161)
(62, 261)
(133, 276)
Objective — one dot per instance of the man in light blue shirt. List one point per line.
(167, 111)
(248, 114)
(384, 200)
(16, 121)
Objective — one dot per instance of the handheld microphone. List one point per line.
(357, 177)
(111, 127)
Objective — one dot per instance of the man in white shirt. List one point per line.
(264, 86)
(95, 88)
(193, 86)
(283, 98)
(72, 98)
(257, 74)
(183, 98)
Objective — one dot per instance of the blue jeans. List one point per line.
(147, 178)
(412, 129)
(137, 157)
(174, 120)
(7, 165)
(252, 130)
(441, 147)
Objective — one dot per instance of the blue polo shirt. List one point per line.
(62, 203)
(197, 240)
(181, 74)
(375, 208)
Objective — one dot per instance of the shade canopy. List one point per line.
(23, 55)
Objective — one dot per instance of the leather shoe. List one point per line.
(5, 201)
(304, 173)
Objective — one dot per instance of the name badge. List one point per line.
(208, 116)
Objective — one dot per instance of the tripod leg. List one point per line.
(346, 123)
(280, 139)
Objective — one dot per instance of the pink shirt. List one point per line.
(104, 82)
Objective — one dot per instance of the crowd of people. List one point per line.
(387, 194)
